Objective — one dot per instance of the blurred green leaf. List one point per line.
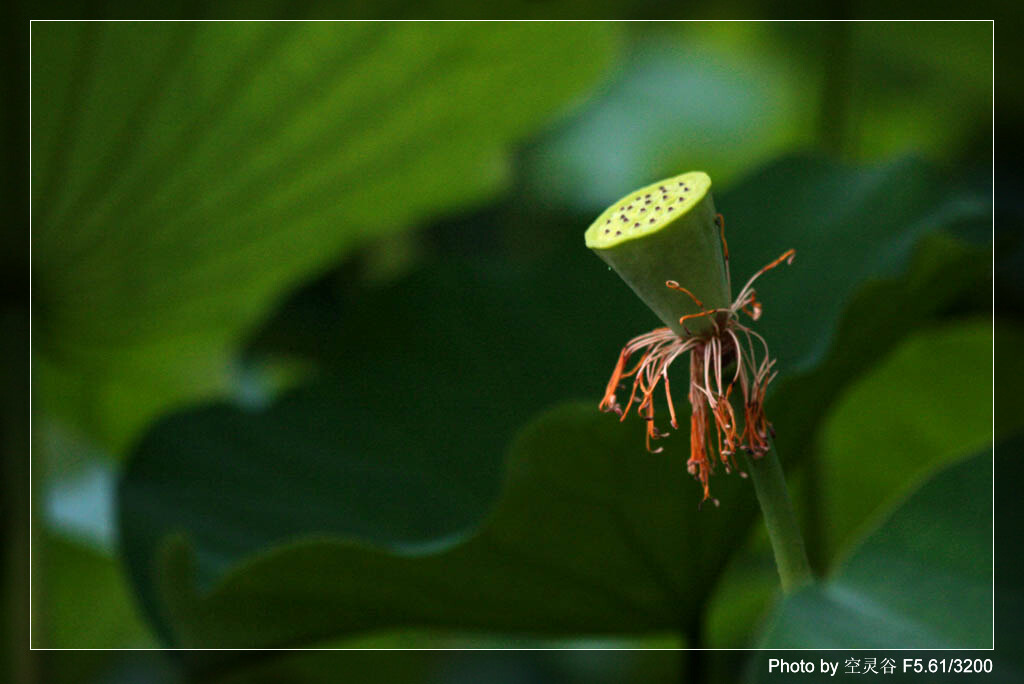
(923, 579)
(185, 175)
(86, 604)
(430, 377)
(745, 593)
(722, 99)
(727, 97)
(585, 540)
(855, 229)
(929, 403)
(921, 87)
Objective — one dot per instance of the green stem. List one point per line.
(783, 531)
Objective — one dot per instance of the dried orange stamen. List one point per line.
(728, 342)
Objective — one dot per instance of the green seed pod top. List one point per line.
(667, 231)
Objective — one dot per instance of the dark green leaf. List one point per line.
(852, 228)
(923, 579)
(583, 540)
(929, 403)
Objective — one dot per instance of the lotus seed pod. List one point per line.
(667, 232)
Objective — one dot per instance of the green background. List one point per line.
(317, 346)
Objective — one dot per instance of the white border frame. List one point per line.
(308, 648)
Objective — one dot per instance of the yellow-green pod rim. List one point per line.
(647, 210)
